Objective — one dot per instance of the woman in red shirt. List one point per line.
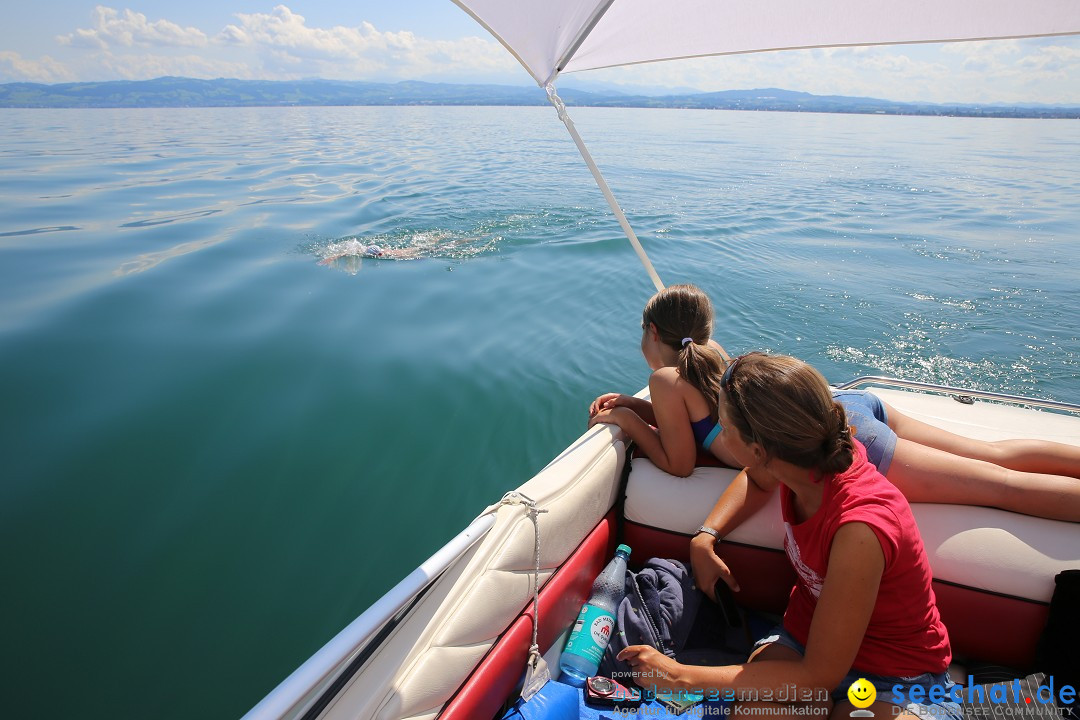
(863, 605)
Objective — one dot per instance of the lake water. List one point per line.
(215, 451)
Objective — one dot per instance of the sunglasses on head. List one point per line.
(725, 379)
(727, 384)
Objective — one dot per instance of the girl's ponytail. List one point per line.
(702, 367)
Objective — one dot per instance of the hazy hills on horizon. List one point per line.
(190, 92)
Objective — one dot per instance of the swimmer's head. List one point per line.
(374, 251)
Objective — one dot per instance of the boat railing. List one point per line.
(963, 395)
(313, 685)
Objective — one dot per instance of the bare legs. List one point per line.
(1033, 477)
(803, 711)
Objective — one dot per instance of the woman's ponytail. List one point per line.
(837, 450)
(787, 407)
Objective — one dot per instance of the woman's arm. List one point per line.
(843, 612)
(742, 498)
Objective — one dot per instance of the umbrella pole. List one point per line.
(587, 157)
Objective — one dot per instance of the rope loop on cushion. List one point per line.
(536, 673)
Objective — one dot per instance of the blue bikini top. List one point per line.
(705, 431)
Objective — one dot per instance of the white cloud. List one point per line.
(983, 48)
(284, 39)
(279, 45)
(15, 68)
(130, 29)
(1052, 59)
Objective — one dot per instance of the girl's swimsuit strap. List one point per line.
(712, 436)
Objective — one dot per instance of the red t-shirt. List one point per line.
(905, 636)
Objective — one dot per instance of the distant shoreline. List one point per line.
(1069, 114)
(173, 92)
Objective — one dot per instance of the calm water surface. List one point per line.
(216, 451)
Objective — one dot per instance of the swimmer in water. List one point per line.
(352, 252)
(357, 249)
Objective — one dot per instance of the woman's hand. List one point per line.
(606, 401)
(708, 567)
(651, 667)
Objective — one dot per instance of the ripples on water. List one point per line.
(217, 451)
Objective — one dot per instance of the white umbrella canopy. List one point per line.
(549, 37)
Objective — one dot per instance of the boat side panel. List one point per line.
(483, 694)
(765, 576)
(988, 626)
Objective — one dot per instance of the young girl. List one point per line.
(863, 606)
(926, 463)
(675, 329)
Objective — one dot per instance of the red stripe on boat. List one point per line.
(498, 674)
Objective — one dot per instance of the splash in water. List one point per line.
(349, 253)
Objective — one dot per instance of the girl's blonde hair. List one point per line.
(680, 312)
(785, 405)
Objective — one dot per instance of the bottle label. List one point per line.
(591, 633)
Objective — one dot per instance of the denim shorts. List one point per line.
(867, 413)
(925, 708)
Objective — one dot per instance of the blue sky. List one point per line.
(434, 40)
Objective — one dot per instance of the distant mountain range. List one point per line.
(188, 92)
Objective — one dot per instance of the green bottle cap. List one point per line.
(624, 549)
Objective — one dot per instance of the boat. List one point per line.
(454, 638)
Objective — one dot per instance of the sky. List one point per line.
(56, 41)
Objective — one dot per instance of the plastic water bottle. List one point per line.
(595, 622)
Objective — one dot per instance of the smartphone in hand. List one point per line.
(725, 598)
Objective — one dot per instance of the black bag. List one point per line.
(1058, 653)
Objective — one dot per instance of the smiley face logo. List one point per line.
(861, 693)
